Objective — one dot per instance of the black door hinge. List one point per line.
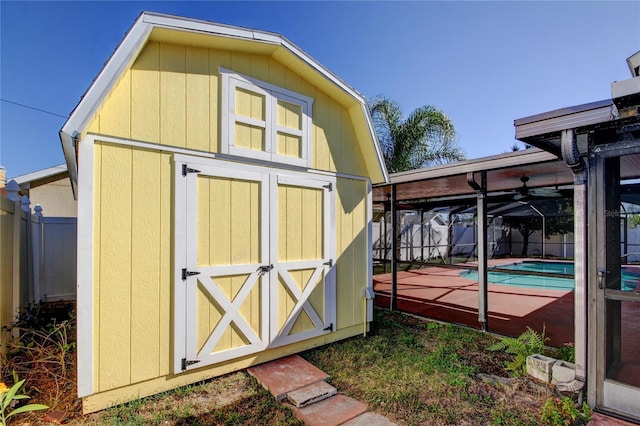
(186, 274)
(186, 363)
(329, 186)
(186, 170)
(330, 328)
(328, 262)
(265, 268)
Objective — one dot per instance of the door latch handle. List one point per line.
(264, 268)
(601, 274)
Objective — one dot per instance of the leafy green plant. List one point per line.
(8, 399)
(528, 343)
(563, 411)
(567, 352)
(43, 351)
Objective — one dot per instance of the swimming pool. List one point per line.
(560, 278)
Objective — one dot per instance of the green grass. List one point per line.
(413, 371)
(419, 372)
(231, 400)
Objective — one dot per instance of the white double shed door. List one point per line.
(254, 259)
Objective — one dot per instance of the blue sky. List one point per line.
(483, 63)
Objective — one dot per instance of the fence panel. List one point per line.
(58, 247)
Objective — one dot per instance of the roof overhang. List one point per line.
(40, 177)
(611, 120)
(173, 29)
(450, 181)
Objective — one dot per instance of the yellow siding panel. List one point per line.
(241, 62)
(198, 112)
(293, 81)
(277, 74)
(145, 95)
(347, 142)
(114, 298)
(336, 145)
(115, 117)
(173, 96)
(217, 59)
(241, 235)
(204, 224)
(250, 104)
(166, 246)
(220, 222)
(348, 259)
(145, 265)
(260, 67)
(360, 249)
(322, 156)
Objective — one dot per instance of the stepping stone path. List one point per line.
(314, 401)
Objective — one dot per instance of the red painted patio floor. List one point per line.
(440, 293)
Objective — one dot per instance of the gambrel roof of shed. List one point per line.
(172, 29)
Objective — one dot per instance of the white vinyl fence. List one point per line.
(39, 263)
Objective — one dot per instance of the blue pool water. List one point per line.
(629, 278)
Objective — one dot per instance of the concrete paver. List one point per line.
(286, 375)
(330, 412)
(370, 419)
(598, 419)
(310, 394)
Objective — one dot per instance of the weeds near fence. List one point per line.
(43, 352)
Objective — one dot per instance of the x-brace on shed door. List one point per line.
(254, 260)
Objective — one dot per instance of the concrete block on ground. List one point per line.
(370, 419)
(310, 394)
(562, 371)
(286, 375)
(330, 412)
(539, 367)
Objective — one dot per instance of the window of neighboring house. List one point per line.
(263, 121)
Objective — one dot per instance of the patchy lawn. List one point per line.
(418, 372)
(411, 370)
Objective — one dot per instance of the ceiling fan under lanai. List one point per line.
(525, 193)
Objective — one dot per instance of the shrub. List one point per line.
(567, 352)
(563, 412)
(528, 343)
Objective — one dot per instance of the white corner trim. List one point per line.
(85, 305)
(369, 303)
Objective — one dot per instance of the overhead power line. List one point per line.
(33, 108)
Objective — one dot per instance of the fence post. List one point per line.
(37, 241)
(12, 189)
(26, 206)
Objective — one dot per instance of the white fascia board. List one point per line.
(69, 149)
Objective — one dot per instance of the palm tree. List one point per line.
(426, 137)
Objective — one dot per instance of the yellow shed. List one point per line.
(223, 179)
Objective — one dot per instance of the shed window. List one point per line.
(265, 122)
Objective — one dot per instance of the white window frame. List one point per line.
(230, 82)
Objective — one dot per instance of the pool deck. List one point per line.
(440, 293)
